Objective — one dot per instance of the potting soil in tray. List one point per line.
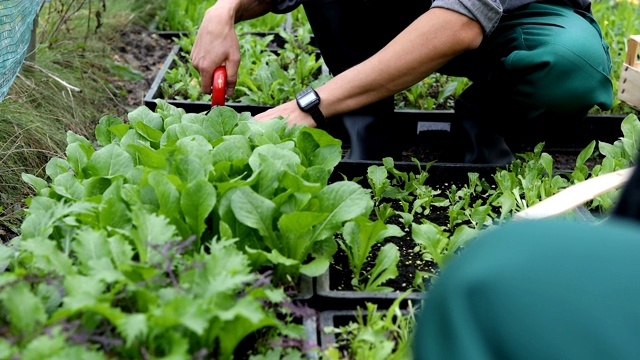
(411, 262)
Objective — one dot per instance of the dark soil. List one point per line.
(411, 261)
(145, 52)
(340, 275)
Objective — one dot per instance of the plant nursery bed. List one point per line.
(433, 139)
(334, 289)
(190, 106)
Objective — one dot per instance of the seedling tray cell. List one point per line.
(337, 318)
(306, 290)
(348, 300)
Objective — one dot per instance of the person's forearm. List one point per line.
(421, 49)
(246, 9)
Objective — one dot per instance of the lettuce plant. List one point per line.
(75, 290)
(525, 182)
(468, 204)
(359, 236)
(151, 242)
(438, 245)
(386, 182)
(216, 175)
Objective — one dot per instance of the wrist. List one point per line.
(230, 9)
(308, 101)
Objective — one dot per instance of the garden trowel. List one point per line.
(575, 195)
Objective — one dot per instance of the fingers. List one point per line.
(288, 110)
(206, 80)
(232, 64)
(216, 44)
(201, 63)
(206, 62)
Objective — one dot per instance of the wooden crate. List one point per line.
(629, 83)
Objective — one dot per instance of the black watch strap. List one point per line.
(309, 102)
(317, 115)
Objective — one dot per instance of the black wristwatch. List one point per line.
(309, 102)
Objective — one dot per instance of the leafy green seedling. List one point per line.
(359, 236)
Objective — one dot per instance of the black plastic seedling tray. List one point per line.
(336, 319)
(155, 92)
(328, 296)
(170, 35)
(305, 290)
(438, 172)
(311, 324)
(329, 299)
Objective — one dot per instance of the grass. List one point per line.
(39, 110)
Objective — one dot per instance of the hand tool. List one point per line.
(575, 195)
(219, 86)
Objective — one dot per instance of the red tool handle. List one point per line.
(219, 86)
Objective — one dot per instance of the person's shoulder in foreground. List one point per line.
(544, 289)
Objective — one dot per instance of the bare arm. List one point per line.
(216, 43)
(250, 9)
(422, 48)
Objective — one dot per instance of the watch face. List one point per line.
(307, 99)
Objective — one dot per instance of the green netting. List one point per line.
(16, 22)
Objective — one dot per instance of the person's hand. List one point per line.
(290, 111)
(216, 44)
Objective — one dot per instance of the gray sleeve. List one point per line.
(486, 12)
(285, 6)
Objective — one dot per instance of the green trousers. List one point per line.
(539, 290)
(538, 74)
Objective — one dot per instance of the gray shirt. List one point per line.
(486, 12)
(489, 12)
